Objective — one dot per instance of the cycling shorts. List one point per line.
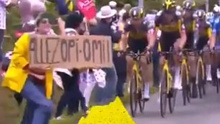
(202, 42)
(167, 40)
(190, 40)
(136, 45)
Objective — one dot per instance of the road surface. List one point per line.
(199, 111)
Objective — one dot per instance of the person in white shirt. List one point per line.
(3, 5)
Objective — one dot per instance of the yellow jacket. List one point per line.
(16, 76)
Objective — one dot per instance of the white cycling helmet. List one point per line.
(209, 15)
(216, 9)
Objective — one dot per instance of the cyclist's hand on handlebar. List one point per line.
(211, 46)
(149, 48)
(120, 53)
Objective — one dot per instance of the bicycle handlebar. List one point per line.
(138, 54)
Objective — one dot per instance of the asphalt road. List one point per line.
(199, 111)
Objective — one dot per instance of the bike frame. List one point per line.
(184, 62)
(169, 76)
(136, 69)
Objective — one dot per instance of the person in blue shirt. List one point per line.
(215, 42)
(215, 21)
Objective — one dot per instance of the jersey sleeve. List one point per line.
(215, 26)
(148, 26)
(158, 18)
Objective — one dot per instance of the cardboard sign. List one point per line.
(71, 52)
(87, 7)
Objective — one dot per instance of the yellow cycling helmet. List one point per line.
(136, 13)
(189, 4)
(169, 4)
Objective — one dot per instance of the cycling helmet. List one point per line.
(209, 15)
(216, 9)
(169, 4)
(200, 14)
(136, 13)
(189, 4)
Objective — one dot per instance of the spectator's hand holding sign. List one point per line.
(71, 52)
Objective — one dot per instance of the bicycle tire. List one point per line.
(199, 77)
(217, 85)
(142, 102)
(185, 85)
(172, 100)
(163, 93)
(133, 95)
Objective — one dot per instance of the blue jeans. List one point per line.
(106, 94)
(38, 109)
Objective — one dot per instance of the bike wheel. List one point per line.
(185, 85)
(200, 79)
(163, 94)
(133, 95)
(172, 100)
(142, 102)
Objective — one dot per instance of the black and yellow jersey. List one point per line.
(204, 28)
(189, 20)
(169, 21)
(138, 33)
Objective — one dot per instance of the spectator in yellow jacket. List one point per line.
(33, 83)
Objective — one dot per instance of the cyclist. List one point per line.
(189, 21)
(139, 36)
(205, 36)
(169, 21)
(215, 22)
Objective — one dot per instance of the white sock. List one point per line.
(218, 73)
(208, 73)
(147, 90)
(177, 81)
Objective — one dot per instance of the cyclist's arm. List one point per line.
(182, 31)
(150, 33)
(157, 24)
(212, 32)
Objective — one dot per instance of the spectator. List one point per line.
(112, 4)
(32, 82)
(105, 95)
(72, 96)
(119, 59)
(3, 5)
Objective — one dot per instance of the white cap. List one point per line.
(112, 4)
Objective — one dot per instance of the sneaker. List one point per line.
(58, 118)
(178, 87)
(146, 93)
(146, 98)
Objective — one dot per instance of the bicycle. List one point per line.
(166, 88)
(136, 84)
